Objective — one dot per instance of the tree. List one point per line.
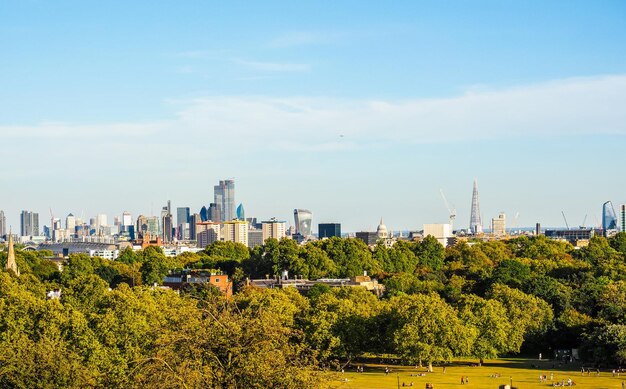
(489, 317)
(530, 315)
(425, 328)
(431, 253)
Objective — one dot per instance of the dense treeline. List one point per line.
(112, 328)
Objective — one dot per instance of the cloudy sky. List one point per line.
(352, 109)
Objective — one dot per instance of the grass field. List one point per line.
(524, 376)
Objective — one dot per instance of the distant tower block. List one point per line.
(476, 224)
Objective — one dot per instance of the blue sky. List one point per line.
(354, 109)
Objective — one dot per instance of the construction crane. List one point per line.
(514, 223)
(564, 218)
(451, 211)
(584, 221)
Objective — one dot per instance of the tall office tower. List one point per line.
(328, 230)
(56, 223)
(273, 229)
(303, 218)
(241, 213)
(622, 217)
(153, 226)
(101, 221)
(204, 214)
(235, 231)
(142, 225)
(609, 220)
(167, 222)
(182, 222)
(224, 197)
(213, 213)
(476, 224)
(498, 225)
(70, 224)
(29, 223)
(3, 224)
(127, 219)
(193, 221)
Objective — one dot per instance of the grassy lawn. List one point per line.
(520, 370)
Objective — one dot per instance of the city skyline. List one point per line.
(351, 110)
(590, 220)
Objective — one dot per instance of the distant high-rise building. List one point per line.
(476, 224)
(3, 224)
(224, 197)
(101, 221)
(182, 219)
(328, 230)
(273, 229)
(29, 222)
(235, 231)
(193, 221)
(152, 223)
(241, 213)
(214, 213)
(622, 217)
(498, 225)
(204, 214)
(142, 225)
(167, 222)
(302, 219)
(609, 219)
(127, 219)
(70, 224)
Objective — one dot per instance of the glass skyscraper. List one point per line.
(224, 196)
(302, 218)
(609, 219)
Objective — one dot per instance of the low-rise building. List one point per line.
(303, 286)
(179, 280)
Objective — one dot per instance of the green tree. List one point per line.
(425, 328)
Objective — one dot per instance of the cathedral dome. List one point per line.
(381, 230)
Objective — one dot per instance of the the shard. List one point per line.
(476, 224)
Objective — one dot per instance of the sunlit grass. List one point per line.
(519, 371)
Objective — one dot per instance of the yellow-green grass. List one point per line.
(523, 375)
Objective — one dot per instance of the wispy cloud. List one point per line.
(563, 107)
(273, 66)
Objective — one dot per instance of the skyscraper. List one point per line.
(302, 218)
(476, 224)
(213, 213)
(3, 224)
(167, 222)
(204, 214)
(609, 219)
(224, 198)
(182, 222)
(241, 213)
(70, 224)
(29, 223)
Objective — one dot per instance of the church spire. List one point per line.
(11, 264)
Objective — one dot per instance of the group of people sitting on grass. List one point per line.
(563, 383)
